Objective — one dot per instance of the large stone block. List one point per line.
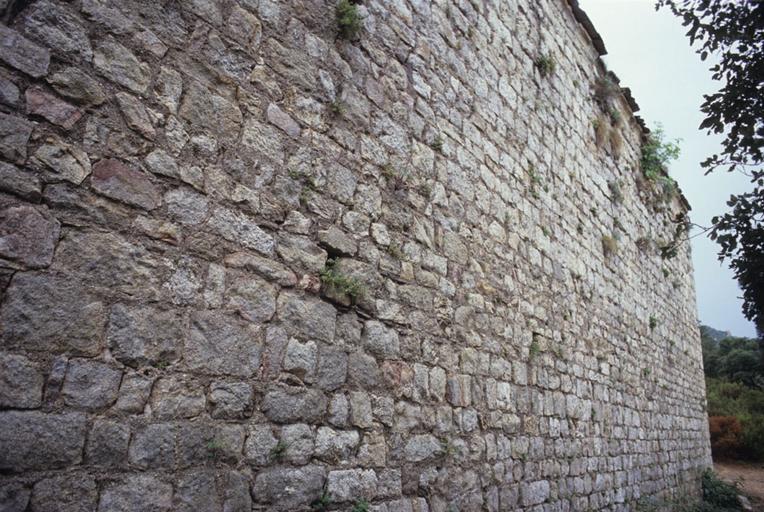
(141, 336)
(20, 382)
(14, 135)
(49, 312)
(56, 26)
(177, 396)
(23, 54)
(120, 65)
(66, 493)
(208, 111)
(307, 316)
(289, 488)
(136, 492)
(117, 181)
(28, 235)
(90, 384)
(290, 404)
(36, 440)
(222, 344)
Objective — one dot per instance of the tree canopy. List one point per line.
(733, 31)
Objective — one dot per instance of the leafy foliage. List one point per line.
(349, 21)
(734, 32)
(719, 494)
(546, 65)
(657, 153)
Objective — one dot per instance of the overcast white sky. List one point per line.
(650, 54)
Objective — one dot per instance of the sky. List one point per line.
(650, 53)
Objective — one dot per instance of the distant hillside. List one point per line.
(715, 334)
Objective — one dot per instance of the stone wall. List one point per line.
(247, 263)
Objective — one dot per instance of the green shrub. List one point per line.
(657, 153)
(545, 64)
(349, 21)
(719, 494)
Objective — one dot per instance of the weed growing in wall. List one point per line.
(337, 108)
(347, 285)
(545, 64)
(609, 245)
(279, 451)
(360, 506)
(605, 90)
(349, 21)
(437, 144)
(657, 153)
(322, 502)
(214, 449)
(616, 194)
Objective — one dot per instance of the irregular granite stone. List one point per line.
(136, 492)
(252, 298)
(352, 484)
(266, 267)
(55, 110)
(208, 111)
(48, 312)
(107, 443)
(20, 382)
(116, 180)
(289, 404)
(37, 440)
(177, 396)
(222, 344)
(65, 161)
(21, 183)
(66, 493)
(28, 235)
(239, 228)
(197, 491)
(120, 65)
(14, 136)
(282, 120)
(9, 92)
(141, 336)
(90, 384)
(135, 114)
(380, 340)
(77, 85)
(58, 28)
(231, 400)
(153, 446)
(133, 393)
(289, 488)
(14, 496)
(23, 54)
(307, 316)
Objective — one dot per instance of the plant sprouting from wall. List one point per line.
(545, 64)
(605, 90)
(609, 245)
(360, 506)
(322, 502)
(349, 21)
(333, 279)
(657, 153)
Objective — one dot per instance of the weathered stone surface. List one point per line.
(47, 312)
(363, 370)
(141, 336)
(177, 396)
(36, 440)
(352, 484)
(269, 269)
(65, 161)
(282, 120)
(289, 404)
(300, 358)
(21, 183)
(260, 445)
(107, 443)
(90, 384)
(136, 492)
(301, 252)
(133, 393)
(299, 443)
(223, 345)
(360, 409)
(263, 139)
(153, 446)
(307, 316)
(337, 242)
(239, 228)
(380, 340)
(332, 368)
(9, 92)
(116, 180)
(120, 65)
(23, 54)
(208, 111)
(20, 382)
(135, 114)
(14, 136)
(252, 298)
(422, 447)
(534, 493)
(28, 236)
(231, 400)
(169, 86)
(336, 446)
(14, 496)
(200, 442)
(57, 28)
(68, 493)
(52, 108)
(289, 488)
(197, 491)
(77, 85)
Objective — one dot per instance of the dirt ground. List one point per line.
(750, 476)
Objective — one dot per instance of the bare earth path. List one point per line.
(751, 477)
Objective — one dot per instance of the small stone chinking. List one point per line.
(291, 255)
